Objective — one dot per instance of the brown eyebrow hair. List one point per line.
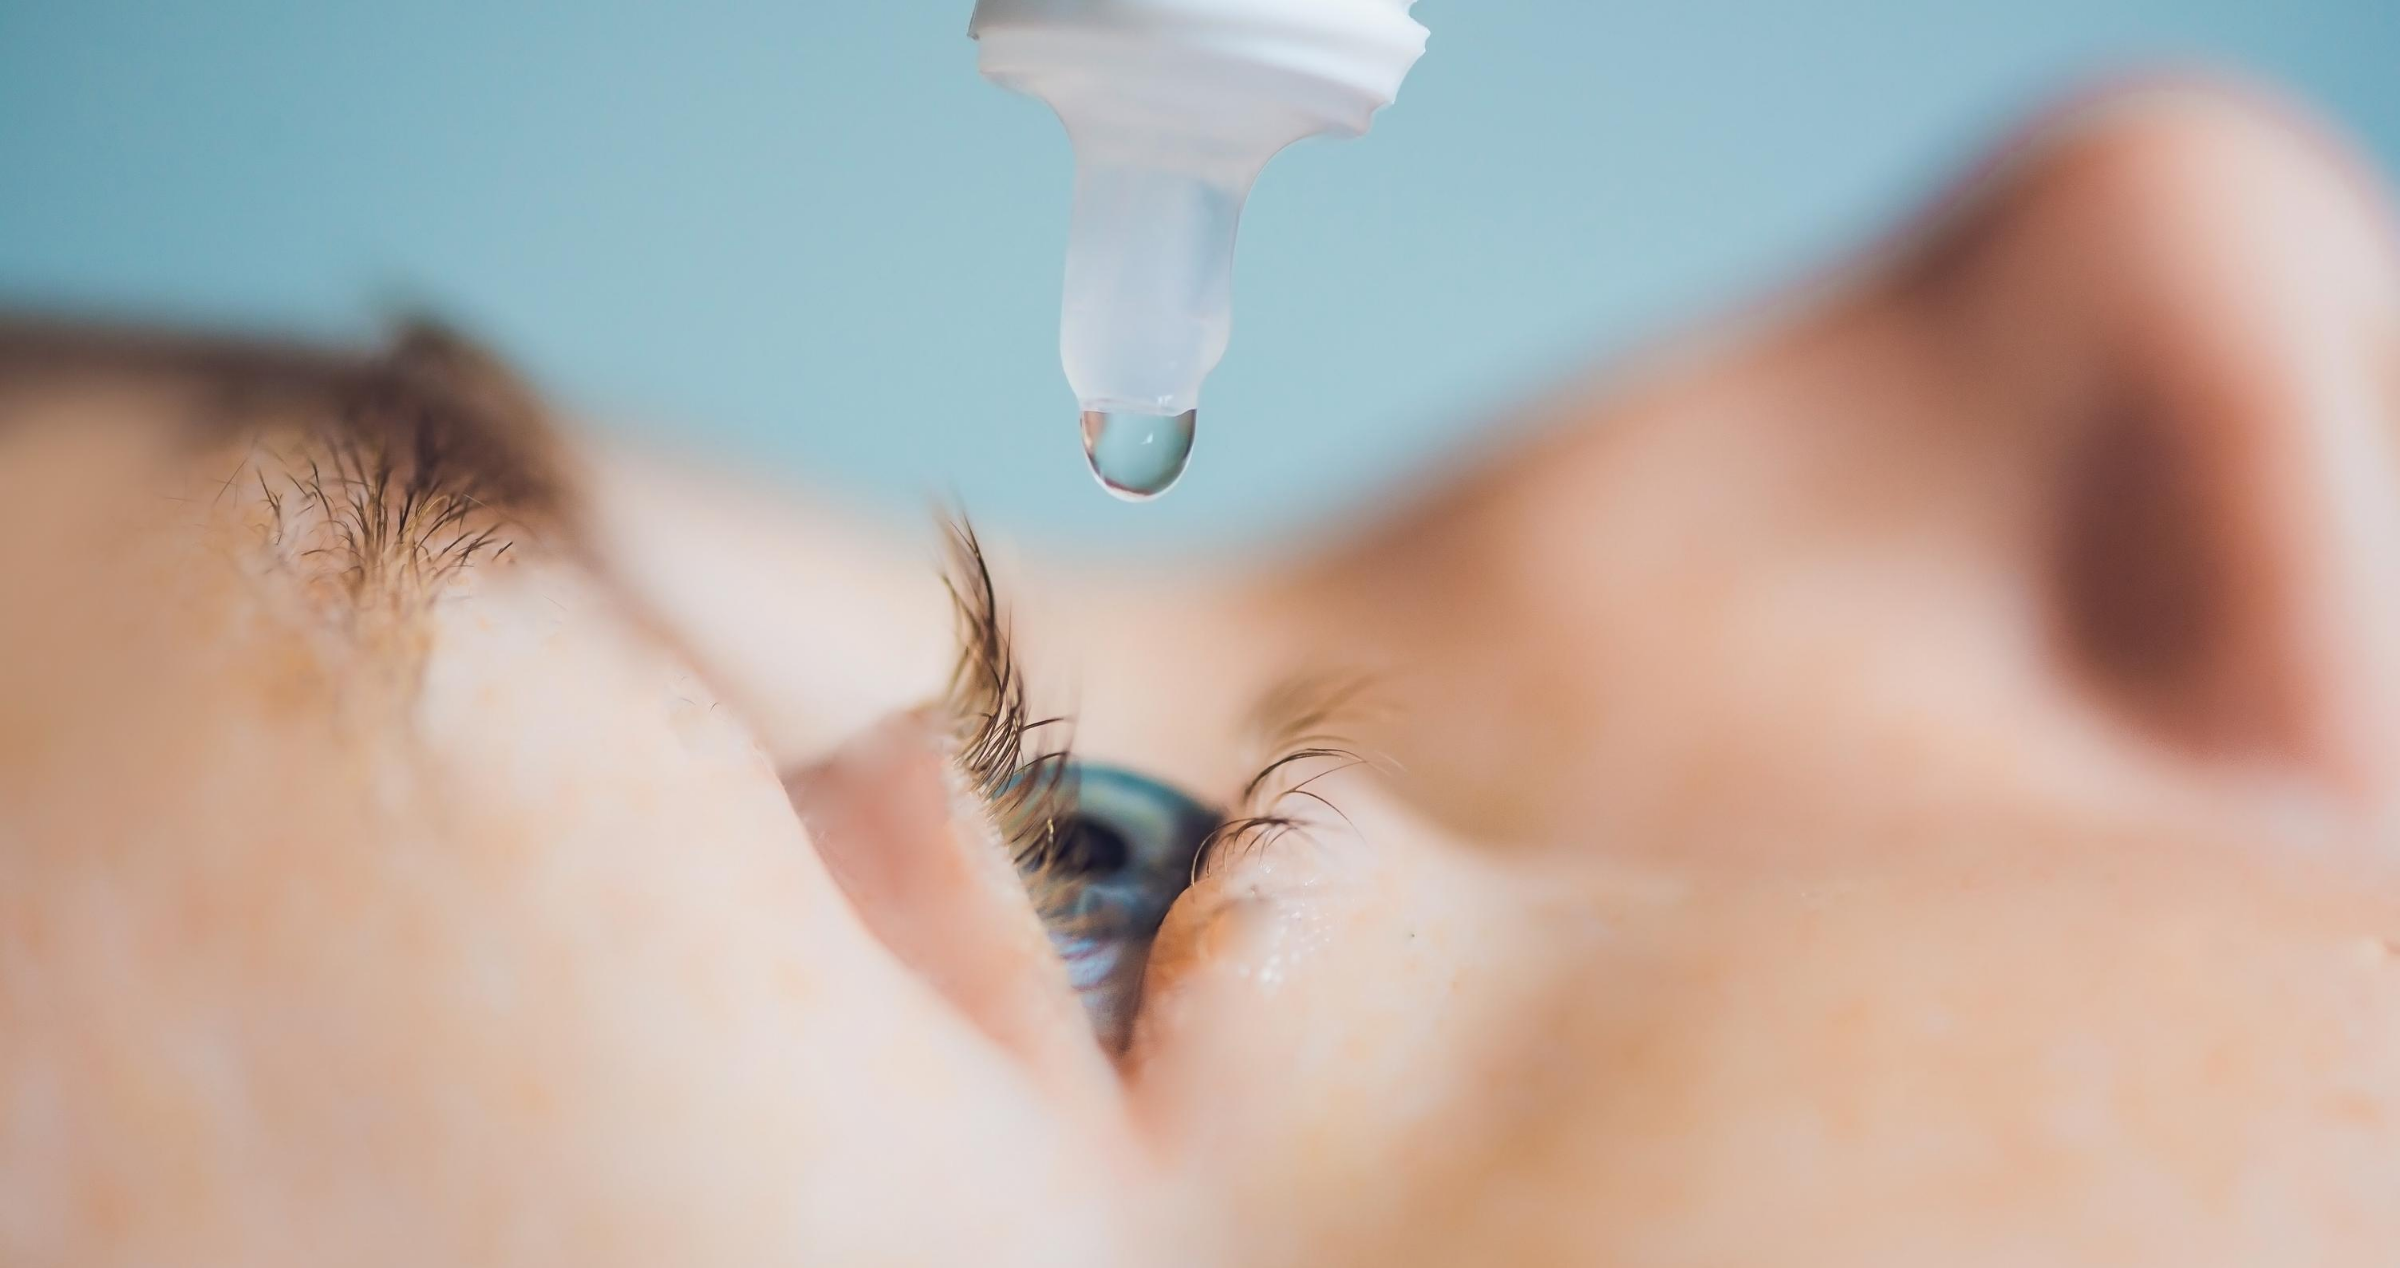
(396, 466)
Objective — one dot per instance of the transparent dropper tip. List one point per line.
(1148, 312)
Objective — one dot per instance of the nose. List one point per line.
(2192, 293)
(2094, 473)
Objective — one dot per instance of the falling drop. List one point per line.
(1137, 456)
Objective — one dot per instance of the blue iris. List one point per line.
(1122, 852)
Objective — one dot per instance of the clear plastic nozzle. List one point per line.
(1174, 106)
(1147, 314)
(1149, 289)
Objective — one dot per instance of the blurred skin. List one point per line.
(1908, 779)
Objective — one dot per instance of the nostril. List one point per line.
(2145, 596)
(2138, 574)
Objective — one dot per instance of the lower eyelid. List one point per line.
(1253, 916)
(1260, 913)
(1205, 926)
(1225, 953)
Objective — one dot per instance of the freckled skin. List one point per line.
(1798, 838)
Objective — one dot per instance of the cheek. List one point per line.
(545, 970)
(682, 976)
(1312, 1010)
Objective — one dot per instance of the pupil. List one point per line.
(1090, 848)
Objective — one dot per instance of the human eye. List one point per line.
(1105, 852)
(1116, 855)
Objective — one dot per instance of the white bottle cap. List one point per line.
(1173, 107)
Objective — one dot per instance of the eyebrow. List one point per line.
(406, 462)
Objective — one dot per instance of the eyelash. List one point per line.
(1297, 720)
(987, 697)
(1028, 797)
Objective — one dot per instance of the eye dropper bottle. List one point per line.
(1173, 107)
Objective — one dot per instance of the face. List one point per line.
(1907, 777)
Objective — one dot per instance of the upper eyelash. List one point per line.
(1298, 718)
(987, 699)
(1029, 797)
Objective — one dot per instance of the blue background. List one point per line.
(808, 237)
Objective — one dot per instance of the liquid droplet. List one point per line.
(1137, 456)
